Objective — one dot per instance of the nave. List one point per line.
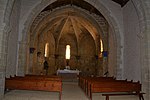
(70, 91)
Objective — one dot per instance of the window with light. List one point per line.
(46, 50)
(67, 51)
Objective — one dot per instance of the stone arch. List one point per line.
(111, 20)
(117, 37)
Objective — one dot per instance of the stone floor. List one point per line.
(71, 91)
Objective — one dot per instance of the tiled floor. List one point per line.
(71, 91)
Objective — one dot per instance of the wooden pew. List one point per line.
(109, 84)
(52, 84)
(84, 82)
(96, 79)
(40, 77)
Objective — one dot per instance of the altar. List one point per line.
(68, 75)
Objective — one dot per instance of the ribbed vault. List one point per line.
(67, 21)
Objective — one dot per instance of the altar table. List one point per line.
(68, 75)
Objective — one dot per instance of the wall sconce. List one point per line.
(105, 54)
(32, 50)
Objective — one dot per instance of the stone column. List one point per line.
(146, 50)
(3, 60)
(5, 9)
(22, 58)
(3, 57)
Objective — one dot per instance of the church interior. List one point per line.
(74, 44)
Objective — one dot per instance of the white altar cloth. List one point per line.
(68, 71)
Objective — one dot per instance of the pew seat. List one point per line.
(123, 94)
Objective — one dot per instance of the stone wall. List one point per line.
(132, 43)
(12, 40)
(146, 43)
(3, 40)
(142, 10)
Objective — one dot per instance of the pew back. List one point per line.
(44, 83)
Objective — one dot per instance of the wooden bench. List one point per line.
(122, 94)
(84, 82)
(110, 86)
(35, 83)
(98, 79)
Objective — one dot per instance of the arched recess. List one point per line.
(38, 42)
(46, 23)
(111, 20)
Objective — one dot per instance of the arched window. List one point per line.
(101, 44)
(46, 50)
(101, 48)
(67, 51)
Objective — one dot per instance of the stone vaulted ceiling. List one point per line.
(69, 22)
(67, 17)
(65, 22)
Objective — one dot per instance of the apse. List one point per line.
(59, 25)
